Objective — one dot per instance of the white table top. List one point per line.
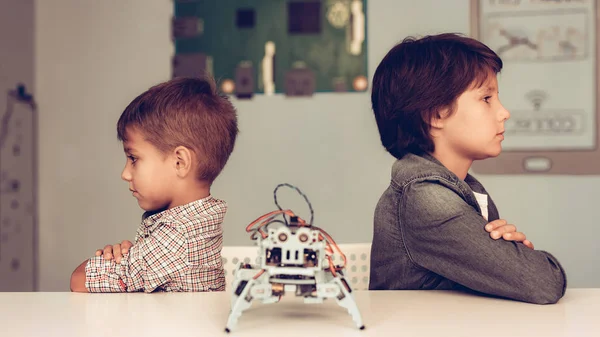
(385, 313)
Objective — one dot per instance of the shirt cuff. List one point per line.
(104, 276)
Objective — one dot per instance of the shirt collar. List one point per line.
(194, 207)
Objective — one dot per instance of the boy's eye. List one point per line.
(487, 99)
(132, 158)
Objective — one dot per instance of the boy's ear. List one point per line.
(183, 160)
(437, 120)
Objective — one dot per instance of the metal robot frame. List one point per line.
(293, 257)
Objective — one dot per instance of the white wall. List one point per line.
(93, 58)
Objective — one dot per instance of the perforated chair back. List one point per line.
(358, 264)
(358, 257)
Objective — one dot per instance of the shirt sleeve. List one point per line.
(152, 262)
(446, 235)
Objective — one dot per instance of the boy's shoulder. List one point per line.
(413, 168)
(431, 175)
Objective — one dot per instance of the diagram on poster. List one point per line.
(545, 37)
(548, 81)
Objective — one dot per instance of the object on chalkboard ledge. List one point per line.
(339, 84)
(244, 80)
(187, 27)
(191, 65)
(227, 86)
(356, 29)
(268, 69)
(360, 83)
(299, 81)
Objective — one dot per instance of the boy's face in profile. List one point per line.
(476, 128)
(149, 172)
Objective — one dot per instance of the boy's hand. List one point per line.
(502, 229)
(117, 250)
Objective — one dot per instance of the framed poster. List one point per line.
(549, 83)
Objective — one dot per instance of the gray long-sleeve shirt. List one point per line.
(429, 234)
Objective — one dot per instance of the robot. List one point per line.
(295, 258)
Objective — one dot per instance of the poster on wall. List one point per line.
(549, 83)
(268, 47)
(18, 192)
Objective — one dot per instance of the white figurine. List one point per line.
(357, 27)
(268, 68)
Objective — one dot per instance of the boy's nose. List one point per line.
(125, 175)
(504, 114)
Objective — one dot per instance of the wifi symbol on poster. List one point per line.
(536, 97)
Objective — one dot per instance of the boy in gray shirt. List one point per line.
(436, 105)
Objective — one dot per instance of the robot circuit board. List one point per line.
(291, 47)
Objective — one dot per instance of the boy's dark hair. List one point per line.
(420, 77)
(185, 112)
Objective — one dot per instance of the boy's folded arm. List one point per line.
(444, 234)
(78, 278)
(150, 263)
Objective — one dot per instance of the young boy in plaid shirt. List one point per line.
(177, 137)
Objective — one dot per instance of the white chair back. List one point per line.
(233, 255)
(358, 262)
(358, 257)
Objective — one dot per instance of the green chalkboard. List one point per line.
(326, 38)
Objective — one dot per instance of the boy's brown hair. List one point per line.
(186, 112)
(417, 79)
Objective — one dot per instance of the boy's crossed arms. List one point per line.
(157, 262)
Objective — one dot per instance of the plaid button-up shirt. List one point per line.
(175, 250)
